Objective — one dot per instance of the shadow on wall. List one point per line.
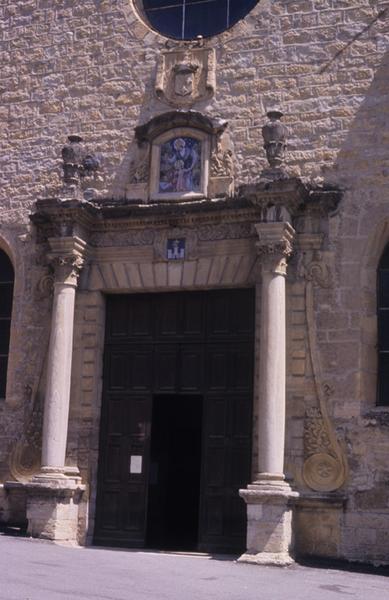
(363, 156)
(360, 230)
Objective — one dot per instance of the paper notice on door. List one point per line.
(136, 464)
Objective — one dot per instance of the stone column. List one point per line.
(53, 494)
(268, 498)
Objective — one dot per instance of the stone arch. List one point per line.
(137, 22)
(374, 248)
(6, 247)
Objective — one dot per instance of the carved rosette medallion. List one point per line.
(186, 76)
(321, 472)
(324, 468)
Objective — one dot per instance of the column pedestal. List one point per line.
(268, 499)
(52, 507)
(269, 523)
(53, 495)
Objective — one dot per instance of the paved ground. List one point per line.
(35, 570)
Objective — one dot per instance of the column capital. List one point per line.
(275, 245)
(66, 255)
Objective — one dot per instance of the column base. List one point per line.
(269, 522)
(52, 506)
(275, 559)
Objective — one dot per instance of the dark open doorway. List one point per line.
(174, 476)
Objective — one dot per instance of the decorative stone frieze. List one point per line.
(226, 231)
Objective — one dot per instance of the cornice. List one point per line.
(109, 215)
(53, 216)
(296, 195)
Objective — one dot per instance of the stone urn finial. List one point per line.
(72, 156)
(274, 136)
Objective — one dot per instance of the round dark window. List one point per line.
(187, 19)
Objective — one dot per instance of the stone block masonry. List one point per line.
(89, 68)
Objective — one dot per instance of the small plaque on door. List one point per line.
(135, 464)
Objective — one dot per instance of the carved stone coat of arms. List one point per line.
(186, 76)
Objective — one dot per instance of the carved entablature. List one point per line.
(181, 156)
(279, 200)
(185, 76)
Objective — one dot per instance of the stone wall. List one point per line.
(90, 68)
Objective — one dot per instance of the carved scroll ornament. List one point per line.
(222, 163)
(25, 458)
(139, 171)
(324, 468)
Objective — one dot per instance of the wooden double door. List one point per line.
(176, 422)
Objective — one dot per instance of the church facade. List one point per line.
(194, 267)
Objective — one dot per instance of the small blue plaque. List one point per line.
(176, 249)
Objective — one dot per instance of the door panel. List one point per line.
(191, 368)
(165, 361)
(140, 364)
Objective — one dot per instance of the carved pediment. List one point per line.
(177, 118)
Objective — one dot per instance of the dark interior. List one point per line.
(174, 477)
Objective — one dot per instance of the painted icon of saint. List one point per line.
(180, 166)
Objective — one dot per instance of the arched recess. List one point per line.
(10, 247)
(383, 329)
(7, 279)
(374, 252)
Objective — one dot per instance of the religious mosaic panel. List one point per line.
(180, 166)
